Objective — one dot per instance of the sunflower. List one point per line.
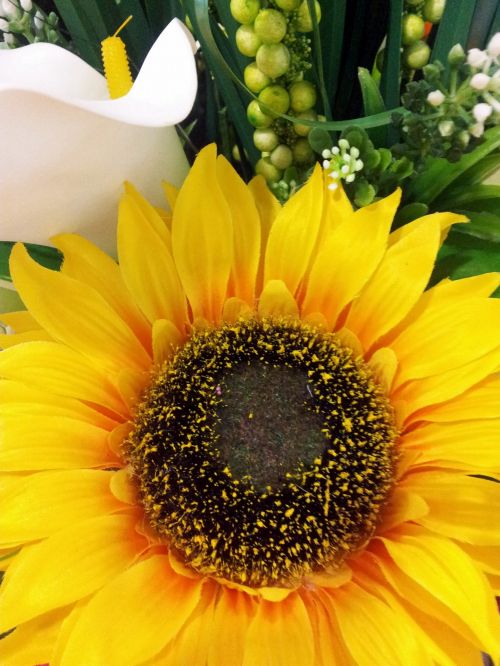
(255, 441)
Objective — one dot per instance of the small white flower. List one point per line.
(476, 57)
(333, 186)
(9, 38)
(446, 127)
(344, 144)
(435, 98)
(359, 165)
(493, 47)
(10, 9)
(335, 175)
(326, 153)
(480, 81)
(350, 178)
(335, 150)
(27, 5)
(326, 164)
(4, 25)
(482, 112)
(39, 20)
(354, 152)
(477, 130)
(344, 170)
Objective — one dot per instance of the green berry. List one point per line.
(303, 18)
(273, 60)
(303, 154)
(433, 10)
(264, 168)
(245, 11)
(417, 55)
(413, 29)
(247, 40)
(265, 139)
(288, 5)
(256, 116)
(281, 157)
(302, 96)
(303, 130)
(254, 79)
(275, 98)
(270, 26)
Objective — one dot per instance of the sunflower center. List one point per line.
(266, 425)
(263, 452)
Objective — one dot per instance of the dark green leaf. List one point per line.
(453, 29)
(319, 139)
(44, 255)
(389, 84)
(332, 38)
(409, 213)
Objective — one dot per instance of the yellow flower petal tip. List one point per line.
(258, 425)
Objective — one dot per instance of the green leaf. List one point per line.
(317, 50)
(332, 38)
(319, 140)
(439, 174)
(44, 255)
(453, 29)
(475, 175)
(389, 83)
(83, 32)
(482, 225)
(372, 103)
(474, 193)
(137, 35)
(484, 15)
(409, 213)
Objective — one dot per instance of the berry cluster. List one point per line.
(274, 34)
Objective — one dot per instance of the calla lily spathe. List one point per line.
(67, 148)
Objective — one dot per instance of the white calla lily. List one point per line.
(67, 148)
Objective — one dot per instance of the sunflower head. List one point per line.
(257, 425)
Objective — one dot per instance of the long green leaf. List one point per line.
(481, 22)
(317, 50)
(495, 24)
(469, 195)
(44, 255)
(230, 26)
(453, 28)
(440, 174)
(137, 35)
(332, 38)
(389, 83)
(81, 30)
(372, 103)
(475, 175)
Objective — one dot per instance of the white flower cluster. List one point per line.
(23, 18)
(342, 162)
(486, 82)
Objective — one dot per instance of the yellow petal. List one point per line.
(268, 207)
(347, 259)
(330, 649)
(272, 635)
(277, 301)
(374, 634)
(12, 339)
(480, 402)
(166, 339)
(292, 237)
(88, 324)
(396, 285)
(202, 238)
(444, 220)
(403, 506)
(487, 557)
(149, 214)
(234, 308)
(336, 207)
(460, 506)
(148, 268)
(468, 445)
(384, 364)
(38, 505)
(232, 615)
(122, 486)
(32, 642)
(21, 321)
(246, 231)
(171, 192)
(51, 442)
(447, 385)
(85, 262)
(67, 566)
(131, 385)
(133, 616)
(447, 337)
(447, 573)
(57, 369)
(18, 399)
(192, 643)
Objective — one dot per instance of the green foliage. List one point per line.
(44, 255)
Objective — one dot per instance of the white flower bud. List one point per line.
(446, 127)
(27, 5)
(344, 144)
(477, 130)
(493, 47)
(435, 98)
(9, 39)
(480, 81)
(326, 153)
(4, 25)
(39, 20)
(326, 164)
(10, 9)
(333, 186)
(482, 112)
(476, 57)
(354, 151)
